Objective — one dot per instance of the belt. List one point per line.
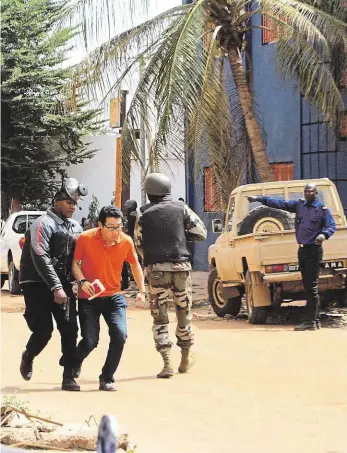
(309, 245)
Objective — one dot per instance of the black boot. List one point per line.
(70, 385)
(76, 370)
(306, 325)
(26, 366)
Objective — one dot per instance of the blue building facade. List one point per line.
(296, 136)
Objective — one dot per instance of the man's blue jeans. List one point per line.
(113, 309)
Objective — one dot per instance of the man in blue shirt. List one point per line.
(313, 224)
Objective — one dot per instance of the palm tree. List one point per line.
(184, 54)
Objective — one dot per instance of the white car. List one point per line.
(12, 241)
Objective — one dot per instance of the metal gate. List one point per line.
(323, 150)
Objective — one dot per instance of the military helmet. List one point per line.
(130, 204)
(157, 184)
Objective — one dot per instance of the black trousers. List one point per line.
(39, 308)
(309, 258)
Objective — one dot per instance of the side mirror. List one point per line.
(217, 226)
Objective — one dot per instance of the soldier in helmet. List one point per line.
(161, 234)
(130, 216)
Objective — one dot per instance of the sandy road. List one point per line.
(254, 389)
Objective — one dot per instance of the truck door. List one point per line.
(225, 263)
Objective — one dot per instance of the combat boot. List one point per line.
(167, 371)
(26, 366)
(70, 384)
(187, 361)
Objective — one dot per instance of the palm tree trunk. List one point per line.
(263, 166)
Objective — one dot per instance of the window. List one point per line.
(20, 224)
(284, 171)
(231, 214)
(212, 198)
(31, 218)
(343, 79)
(343, 126)
(270, 32)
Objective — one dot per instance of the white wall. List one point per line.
(173, 168)
(98, 173)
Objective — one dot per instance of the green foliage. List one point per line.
(12, 400)
(94, 209)
(180, 83)
(41, 130)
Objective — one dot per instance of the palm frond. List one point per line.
(296, 58)
(99, 19)
(309, 37)
(100, 71)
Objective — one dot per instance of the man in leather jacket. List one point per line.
(45, 276)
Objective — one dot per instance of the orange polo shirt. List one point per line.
(102, 261)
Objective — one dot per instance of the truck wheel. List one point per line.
(326, 299)
(3, 279)
(341, 298)
(256, 315)
(220, 305)
(13, 279)
(266, 220)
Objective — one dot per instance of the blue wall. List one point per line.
(281, 114)
(277, 103)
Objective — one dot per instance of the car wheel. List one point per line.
(256, 315)
(220, 305)
(13, 279)
(3, 279)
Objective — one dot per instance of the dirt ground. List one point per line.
(254, 389)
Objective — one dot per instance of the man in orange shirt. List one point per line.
(100, 254)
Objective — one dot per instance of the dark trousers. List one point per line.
(39, 308)
(113, 309)
(309, 258)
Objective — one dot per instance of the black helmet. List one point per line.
(130, 204)
(157, 184)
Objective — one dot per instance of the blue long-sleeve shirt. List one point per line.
(311, 219)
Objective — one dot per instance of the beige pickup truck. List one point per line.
(256, 252)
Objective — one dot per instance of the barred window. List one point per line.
(343, 126)
(270, 32)
(284, 171)
(343, 79)
(212, 198)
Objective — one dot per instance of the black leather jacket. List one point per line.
(48, 250)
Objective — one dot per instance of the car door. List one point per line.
(224, 259)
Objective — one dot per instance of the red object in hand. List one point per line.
(21, 243)
(98, 288)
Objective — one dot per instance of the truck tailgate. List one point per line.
(278, 248)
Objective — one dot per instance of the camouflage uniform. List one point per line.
(166, 279)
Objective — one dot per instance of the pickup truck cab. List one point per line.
(256, 252)
(11, 241)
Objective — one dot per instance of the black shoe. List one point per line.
(107, 386)
(70, 385)
(306, 325)
(26, 367)
(76, 370)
